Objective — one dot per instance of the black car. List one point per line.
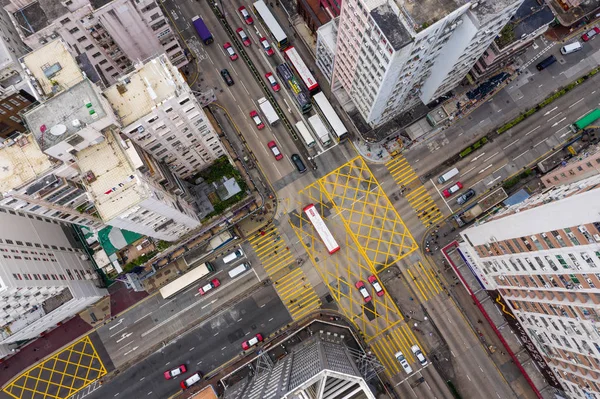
(465, 197)
(226, 77)
(298, 163)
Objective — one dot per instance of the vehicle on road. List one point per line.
(300, 94)
(268, 20)
(452, 189)
(230, 51)
(245, 39)
(268, 111)
(266, 46)
(403, 362)
(319, 224)
(230, 257)
(226, 77)
(448, 175)
(175, 372)
(320, 130)
(363, 291)
(330, 117)
(463, 199)
(252, 341)
(376, 286)
(188, 382)
(545, 63)
(308, 139)
(297, 63)
(202, 30)
(298, 163)
(571, 48)
(186, 280)
(418, 354)
(275, 150)
(246, 15)
(213, 284)
(259, 124)
(274, 85)
(239, 270)
(586, 120)
(590, 34)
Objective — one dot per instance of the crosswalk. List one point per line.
(415, 193)
(290, 282)
(397, 339)
(425, 280)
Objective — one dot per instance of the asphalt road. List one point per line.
(206, 347)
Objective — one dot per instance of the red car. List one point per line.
(259, 124)
(274, 85)
(230, 51)
(363, 291)
(273, 146)
(243, 36)
(376, 286)
(590, 34)
(251, 342)
(213, 284)
(451, 190)
(247, 18)
(266, 46)
(175, 372)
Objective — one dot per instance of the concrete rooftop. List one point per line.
(139, 92)
(54, 120)
(21, 163)
(116, 188)
(568, 12)
(391, 26)
(428, 11)
(37, 15)
(53, 63)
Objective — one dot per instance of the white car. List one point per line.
(419, 355)
(403, 362)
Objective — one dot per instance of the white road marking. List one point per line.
(239, 320)
(117, 394)
(116, 324)
(247, 333)
(208, 304)
(149, 393)
(527, 134)
(167, 363)
(233, 69)
(143, 317)
(191, 349)
(511, 144)
(555, 116)
(480, 369)
(223, 348)
(271, 319)
(123, 336)
(501, 167)
(453, 355)
(217, 333)
(490, 157)
(492, 182)
(199, 362)
(486, 168)
(142, 379)
(553, 109)
(558, 122)
(465, 172)
(477, 157)
(541, 142)
(514, 159)
(576, 102)
(245, 87)
(468, 377)
(441, 196)
(117, 333)
(263, 305)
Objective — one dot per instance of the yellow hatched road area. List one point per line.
(424, 280)
(288, 278)
(414, 192)
(371, 235)
(385, 347)
(61, 375)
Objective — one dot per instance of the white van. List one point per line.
(448, 175)
(238, 253)
(571, 48)
(236, 271)
(403, 362)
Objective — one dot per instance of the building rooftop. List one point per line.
(96, 4)
(428, 11)
(115, 187)
(328, 33)
(530, 17)
(37, 15)
(569, 12)
(53, 67)
(138, 93)
(21, 163)
(391, 26)
(65, 114)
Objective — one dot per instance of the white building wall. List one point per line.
(37, 262)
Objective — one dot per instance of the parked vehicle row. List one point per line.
(362, 289)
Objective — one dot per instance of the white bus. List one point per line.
(305, 134)
(266, 17)
(317, 124)
(330, 117)
(186, 280)
(319, 225)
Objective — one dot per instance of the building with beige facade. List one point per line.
(543, 257)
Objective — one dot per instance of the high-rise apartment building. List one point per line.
(543, 257)
(394, 54)
(45, 276)
(105, 36)
(11, 49)
(159, 112)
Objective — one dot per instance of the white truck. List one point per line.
(268, 111)
(319, 127)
